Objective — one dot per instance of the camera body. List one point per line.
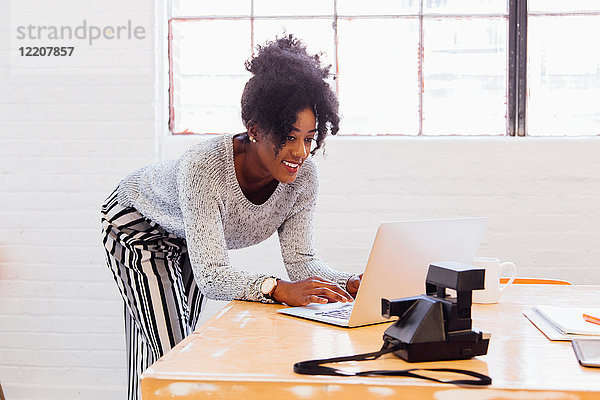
(435, 326)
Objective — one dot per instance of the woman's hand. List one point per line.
(353, 284)
(311, 290)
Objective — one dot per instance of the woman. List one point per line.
(167, 227)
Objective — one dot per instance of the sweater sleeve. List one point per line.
(296, 240)
(202, 210)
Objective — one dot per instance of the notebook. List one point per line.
(564, 323)
(397, 267)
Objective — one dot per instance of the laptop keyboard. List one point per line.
(338, 313)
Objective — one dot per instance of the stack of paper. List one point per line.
(564, 323)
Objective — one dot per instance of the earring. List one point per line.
(252, 139)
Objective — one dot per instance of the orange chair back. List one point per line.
(536, 281)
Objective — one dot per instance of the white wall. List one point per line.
(71, 128)
(541, 196)
(69, 133)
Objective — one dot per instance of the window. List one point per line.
(563, 67)
(405, 67)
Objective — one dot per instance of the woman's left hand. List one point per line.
(353, 284)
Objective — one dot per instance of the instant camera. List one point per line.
(435, 326)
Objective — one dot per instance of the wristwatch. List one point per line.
(268, 287)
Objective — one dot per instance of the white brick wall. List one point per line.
(68, 136)
(541, 196)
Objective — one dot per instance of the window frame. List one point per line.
(516, 85)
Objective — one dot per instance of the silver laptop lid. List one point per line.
(400, 258)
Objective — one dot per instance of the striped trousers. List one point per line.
(153, 274)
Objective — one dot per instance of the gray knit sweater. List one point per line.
(197, 197)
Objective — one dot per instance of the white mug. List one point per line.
(493, 290)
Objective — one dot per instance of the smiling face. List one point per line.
(284, 163)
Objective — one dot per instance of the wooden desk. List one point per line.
(247, 352)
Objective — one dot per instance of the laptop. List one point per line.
(397, 267)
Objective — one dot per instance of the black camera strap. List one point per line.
(314, 367)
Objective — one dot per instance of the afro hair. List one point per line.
(286, 80)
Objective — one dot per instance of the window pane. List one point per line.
(563, 76)
(465, 6)
(317, 34)
(209, 74)
(296, 8)
(378, 85)
(562, 5)
(465, 70)
(377, 7)
(197, 8)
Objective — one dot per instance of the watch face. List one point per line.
(267, 286)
